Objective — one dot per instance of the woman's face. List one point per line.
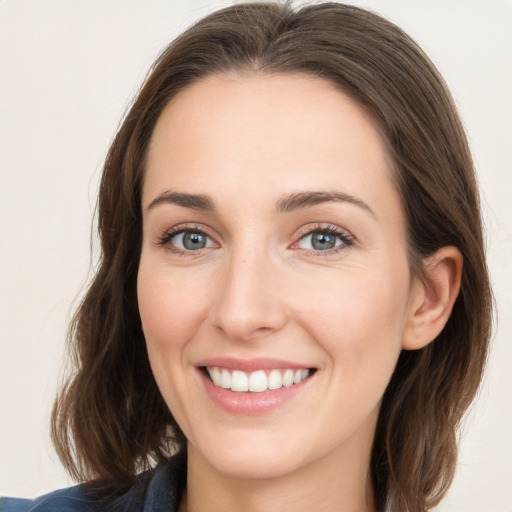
(273, 249)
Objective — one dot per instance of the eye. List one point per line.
(190, 240)
(324, 239)
(186, 240)
(320, 241)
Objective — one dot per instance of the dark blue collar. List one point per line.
(158, 490)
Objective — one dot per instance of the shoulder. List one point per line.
(72, 499)
(158, 490)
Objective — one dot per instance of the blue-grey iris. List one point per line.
(193, 241)
(323, 241)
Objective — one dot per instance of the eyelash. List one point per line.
(166, 238)
(346, 239)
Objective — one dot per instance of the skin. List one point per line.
(260, 289)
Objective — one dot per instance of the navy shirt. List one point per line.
(156, 491)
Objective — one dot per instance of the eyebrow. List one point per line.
(289, 203)
(193, 201)
(302, 200)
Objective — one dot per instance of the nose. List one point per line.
(250, 301)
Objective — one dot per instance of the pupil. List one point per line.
(194, 241)
(323, 241)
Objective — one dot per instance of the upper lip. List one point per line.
(250, 365)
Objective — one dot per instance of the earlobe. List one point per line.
(433, 297)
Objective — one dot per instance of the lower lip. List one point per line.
(251, 404)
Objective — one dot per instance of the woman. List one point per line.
(292, 308)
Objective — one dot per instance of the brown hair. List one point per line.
(110, 421)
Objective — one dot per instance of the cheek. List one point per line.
(359, 321)
(357, 299)
(169, 308)
(170, 311)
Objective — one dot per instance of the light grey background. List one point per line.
(67, 72)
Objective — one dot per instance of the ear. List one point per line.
(433, 297)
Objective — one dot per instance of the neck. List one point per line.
(328, 484)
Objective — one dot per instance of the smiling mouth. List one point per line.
(258, 381)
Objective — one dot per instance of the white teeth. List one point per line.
(239, 381)
(257, 381)
(275, 380)
(225, 379)
(288, 378)
(215, 375)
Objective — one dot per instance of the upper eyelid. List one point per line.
(346, 237)
(168, 234)
(180, 228)
(333, 228)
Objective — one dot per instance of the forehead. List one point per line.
(285, 131)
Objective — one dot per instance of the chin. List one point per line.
(252, 467)
(252, 457)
